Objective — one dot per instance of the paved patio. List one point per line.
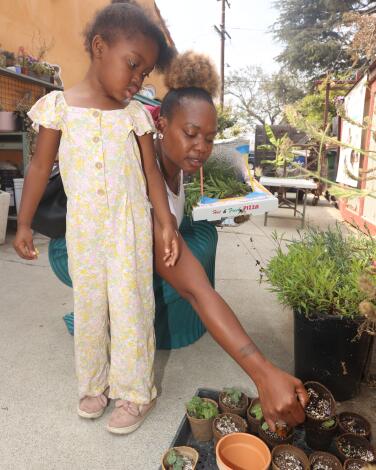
(39, 426)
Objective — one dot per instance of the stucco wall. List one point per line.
(58, 24)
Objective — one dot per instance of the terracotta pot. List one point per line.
(25, 70)
(356, 417)
(295, 451)
(202, 429)
(272, 441)
(240, 451)
(353, 439)
(352, 464)
(318, 437)
(238, 420)
(183, 450)
(241, 410)
(326, 459)
(253, 423)
(325, 393)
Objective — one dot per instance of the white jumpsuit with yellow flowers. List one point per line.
(109, 241)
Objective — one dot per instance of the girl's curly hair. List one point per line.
(127, 18)
(190, 75)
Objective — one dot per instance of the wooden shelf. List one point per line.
(26, 78)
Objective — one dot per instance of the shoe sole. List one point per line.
(86, 415)
(134, 427)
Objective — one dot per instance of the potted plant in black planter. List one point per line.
(232, 400)
(318, 275)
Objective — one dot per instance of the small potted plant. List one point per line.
(180, 458)
(351, 446)
(254, 415)
(201, 413)
(232, 400)
(10, 58)
(324, 461)
(354, 423)
(227, 423)
(286, 456)
(354, 464)
(273, 439)
(320, 436)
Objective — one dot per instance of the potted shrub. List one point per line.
(354, 423)
(273, 439)
(232, 400)
(290, 457)
(241, 450)
(350, 446)
(254, 415)
(227, 423)
(318, 276)
(201, 413)
(324, 461)
(180, 458)
(354, 464)
(9, 58)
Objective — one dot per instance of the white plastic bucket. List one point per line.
(4, 208)
(18, 186)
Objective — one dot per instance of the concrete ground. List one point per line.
(40, 429)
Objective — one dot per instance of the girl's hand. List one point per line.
(170, 236)
(23, 243)
(282, 397)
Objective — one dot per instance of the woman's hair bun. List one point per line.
(192, 70)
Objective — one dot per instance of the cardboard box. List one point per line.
(255, 203)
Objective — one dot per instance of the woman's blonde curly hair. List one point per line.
(192, 70)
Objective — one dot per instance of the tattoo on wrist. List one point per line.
(248, 350)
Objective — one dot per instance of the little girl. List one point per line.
(109, 237)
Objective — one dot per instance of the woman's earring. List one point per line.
(160, 136)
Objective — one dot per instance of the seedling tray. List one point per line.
(207, 460)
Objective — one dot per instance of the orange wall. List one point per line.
(58, 23)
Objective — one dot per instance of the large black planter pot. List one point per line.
(325, 351)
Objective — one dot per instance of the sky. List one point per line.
(191, 24)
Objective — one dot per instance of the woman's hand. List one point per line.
(282, 397)
(171, 244)
(23, 243)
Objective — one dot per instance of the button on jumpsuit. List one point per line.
(109, 242)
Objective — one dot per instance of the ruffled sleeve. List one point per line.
(141, 118)
(47, 112)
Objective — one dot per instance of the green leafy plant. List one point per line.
(264, 426)
(234, 395)
(201, 409)
(256, 411)
(328, 424)
(282, 148)
(318, 273)
(175, 460)
(220, 181)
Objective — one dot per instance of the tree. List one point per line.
(259, 97)
(313, 32)
(362, 48)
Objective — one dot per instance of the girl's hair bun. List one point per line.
(192, 70)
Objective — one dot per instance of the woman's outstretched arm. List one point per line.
(282, 396)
